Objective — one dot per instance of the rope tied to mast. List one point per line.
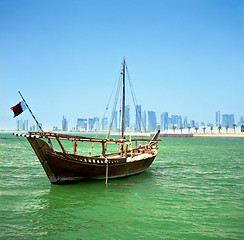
(107, 107)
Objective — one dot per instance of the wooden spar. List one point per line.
(103, 149)
(60, 145)
(52, 135)
(75, 145)
(123, 108)
(60, 136)
(125, 152)
(38, 124)
(123, 103)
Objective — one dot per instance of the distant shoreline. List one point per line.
(184, 135)
(205, 135)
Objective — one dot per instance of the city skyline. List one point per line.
(165, 122)
(184, 57)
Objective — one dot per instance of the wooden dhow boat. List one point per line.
(133, 156)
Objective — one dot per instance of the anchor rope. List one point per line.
(24, 165)
(21, 167)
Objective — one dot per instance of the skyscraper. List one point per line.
(96, 123)
(33, 128)
(144, 120)
(64, 124)
(174, 119)
(138, 118)
(25, 125)
(19, 125)
(241, 120)
(104, 123)
(217, 119)
(90, 124)
(127, 116)
(151, 121)
(81, 124)
(164, 121)
(228, 120)
(179, 122)
(185, 122)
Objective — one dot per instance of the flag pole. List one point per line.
(38, 124)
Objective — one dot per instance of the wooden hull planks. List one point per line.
(63, 167)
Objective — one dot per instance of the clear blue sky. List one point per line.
(184, 56)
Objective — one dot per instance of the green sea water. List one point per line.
(193, 190)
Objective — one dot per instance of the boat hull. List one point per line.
(66, 169)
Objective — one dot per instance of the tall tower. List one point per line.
(19, 125)
(164, 121)
(90, 124)
(25, 125)
(185, 122)
(217, 118)
(151, 121)
(64, 124)
(138, 118)
(144, 120)
(179, 123)
(104, 123)
(228, 120)
(127, 116)
(96, 123)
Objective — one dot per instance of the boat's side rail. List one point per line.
(96, 160)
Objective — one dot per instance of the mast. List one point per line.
(38, 124)
(123, 103)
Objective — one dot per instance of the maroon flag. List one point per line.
(18, 108)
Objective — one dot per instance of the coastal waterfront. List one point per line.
(198, 135)
(193, 190)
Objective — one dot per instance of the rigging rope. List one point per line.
(117, 96)
(107, 107)
(135, 99)
(114, 108)
(115, 84)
